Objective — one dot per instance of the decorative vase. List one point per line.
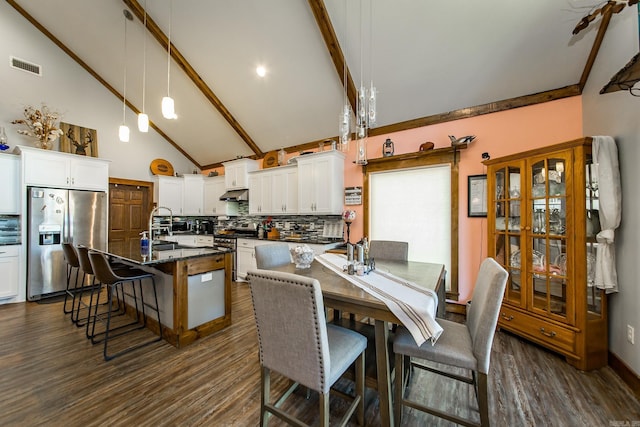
(44, 144)
(3, 140)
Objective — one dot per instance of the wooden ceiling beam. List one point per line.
(604, 24)
(95, 75)
(163, 40)
(333, 46)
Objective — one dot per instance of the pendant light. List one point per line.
(143, 118)
(123, 131)
(168, 107)
(344, 118)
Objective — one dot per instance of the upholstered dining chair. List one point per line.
(272, 255)
(466, 346)
(308, 351)
(389, 249)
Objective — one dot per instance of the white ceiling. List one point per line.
(428, 57)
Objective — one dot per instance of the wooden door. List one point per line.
(129, 208)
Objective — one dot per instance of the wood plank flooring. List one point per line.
(51, 375)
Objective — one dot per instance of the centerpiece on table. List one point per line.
(41, 124)
(348, 216)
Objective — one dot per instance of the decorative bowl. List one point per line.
(302, 256)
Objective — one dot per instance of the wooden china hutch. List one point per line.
(542, 221)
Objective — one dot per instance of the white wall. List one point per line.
(618, 114)
(67, 88)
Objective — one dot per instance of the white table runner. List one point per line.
(414, 305)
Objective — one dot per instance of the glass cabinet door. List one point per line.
(592, 217)
(547, 260)
(508, 227)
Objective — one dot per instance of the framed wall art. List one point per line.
(477, 196)
(78, 140)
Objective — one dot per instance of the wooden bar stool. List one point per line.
(112, 280)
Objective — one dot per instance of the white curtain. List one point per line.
(605, 157)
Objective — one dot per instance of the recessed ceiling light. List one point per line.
(261, 71)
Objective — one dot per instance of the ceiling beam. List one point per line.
(604, 24)
(333, 46)
(180, 60)
(95, 75)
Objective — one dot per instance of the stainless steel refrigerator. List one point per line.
(56, 216)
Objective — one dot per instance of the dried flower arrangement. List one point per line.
(42, 124)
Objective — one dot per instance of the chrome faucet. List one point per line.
(170, 231)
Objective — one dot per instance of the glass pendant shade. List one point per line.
(123, 133)
(361, 152)
(168, 109)
(143, 122)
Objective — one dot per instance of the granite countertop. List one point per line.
(159, 257)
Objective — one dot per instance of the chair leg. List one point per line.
(265, 385)
(399, 388)
(360, 362)
(324, 409)
(483, 399)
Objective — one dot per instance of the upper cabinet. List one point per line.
(542, 219)
(10, 179)
(214, 187)
(167, 192)
(62, 170)
(193, 195)
(321, 183)
(261, 192)
(236, 173)
(274, 191)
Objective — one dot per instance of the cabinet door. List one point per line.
(549, 256)
(10, 180)
(193, 195)
(260, 193)
(170, 194)
(9, 272)
(213, 188)
(323, 190)
(46, 170)
(246, 257)
(88, 174)
(507, 225)
(285, 191)
(306, 188)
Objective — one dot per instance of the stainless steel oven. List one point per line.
(228, 241)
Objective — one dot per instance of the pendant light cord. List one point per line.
(144, 58)
(124, 91)
(169, 46)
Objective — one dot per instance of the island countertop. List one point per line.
(181, 253)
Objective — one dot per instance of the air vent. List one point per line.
(23, 65)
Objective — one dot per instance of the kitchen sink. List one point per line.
(168, 247)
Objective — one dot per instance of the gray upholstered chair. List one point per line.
(308, 351)
(388, 249)
(272, 255)
(461, 346)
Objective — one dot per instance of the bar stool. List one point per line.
(112, 280)
(71, 257)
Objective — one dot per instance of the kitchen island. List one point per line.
(194, 289)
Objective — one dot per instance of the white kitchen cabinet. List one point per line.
(62, 170)
(10, 180)
(193, 195)
(236, 173)
(246, 256)
(9, 271)
(285, 190)
(193, 240)
(321, 183)
(167, 192)
(261, 192)
(214, 187)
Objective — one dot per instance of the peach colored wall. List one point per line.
(499, 134)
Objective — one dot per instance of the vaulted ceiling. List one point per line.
(431, 61)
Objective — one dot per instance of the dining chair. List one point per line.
(272, 255)
(389, 250)
(466, 346)
(113, 280)
(308, 351)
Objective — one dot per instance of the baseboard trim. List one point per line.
(625, 373)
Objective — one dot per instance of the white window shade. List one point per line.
(414, 205)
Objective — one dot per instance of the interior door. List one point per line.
(129, 208)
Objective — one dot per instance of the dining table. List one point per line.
(343, 296)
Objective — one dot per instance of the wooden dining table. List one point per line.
(341, 295)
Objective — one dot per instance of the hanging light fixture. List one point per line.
(168, 107)
(143, 118)
(344, 118)
(123, 131)
(366, 101)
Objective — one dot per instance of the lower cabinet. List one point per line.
(9, 271)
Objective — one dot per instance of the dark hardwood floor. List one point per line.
(50, 374)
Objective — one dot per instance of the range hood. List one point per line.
(236, 195)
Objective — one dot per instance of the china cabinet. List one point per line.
(542, 221)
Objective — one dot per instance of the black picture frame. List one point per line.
(477, 196)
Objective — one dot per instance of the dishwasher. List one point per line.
(205, 296)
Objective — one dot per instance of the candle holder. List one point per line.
(348, 224)
(348, 216)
